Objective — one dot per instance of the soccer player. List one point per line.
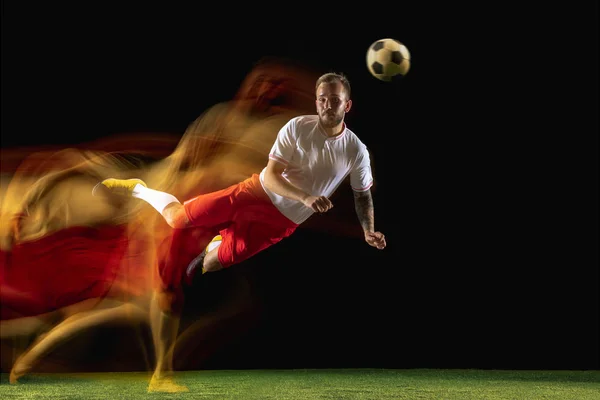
(312, 155)
(103, 249)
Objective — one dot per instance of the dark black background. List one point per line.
(485, 158)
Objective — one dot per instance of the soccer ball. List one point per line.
(388, 59)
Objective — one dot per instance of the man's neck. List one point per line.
(336, 130)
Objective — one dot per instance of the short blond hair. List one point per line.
(331, 77)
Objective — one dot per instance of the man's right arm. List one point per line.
(275, 182)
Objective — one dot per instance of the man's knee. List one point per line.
(176, 216)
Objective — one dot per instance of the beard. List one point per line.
(331, 120)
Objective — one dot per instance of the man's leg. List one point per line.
(167, 303)
(211, 260)
(207, 261)
(75, 324)
(165, 309)
(165, 203)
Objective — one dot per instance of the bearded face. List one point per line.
(332, 104)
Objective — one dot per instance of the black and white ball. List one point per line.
(388, 59)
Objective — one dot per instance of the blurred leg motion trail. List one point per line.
(71, 262)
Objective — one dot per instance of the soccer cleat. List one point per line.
(197, 263)
(166, 385)
(121, 187)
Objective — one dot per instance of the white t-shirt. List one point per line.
(316, 163)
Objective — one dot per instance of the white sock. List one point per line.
(212, 245)
(157, 199)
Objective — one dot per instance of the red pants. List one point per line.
(242, 214)
(69, 266)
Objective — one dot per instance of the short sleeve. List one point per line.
(285, 143)
(361, 176)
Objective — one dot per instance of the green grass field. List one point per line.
(336, 384)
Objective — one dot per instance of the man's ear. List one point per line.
(348, 106)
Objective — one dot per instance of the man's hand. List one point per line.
(318, 203)
(375, 239)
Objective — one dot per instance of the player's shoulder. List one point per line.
(307, 119)
(352, 137)
(301, 123)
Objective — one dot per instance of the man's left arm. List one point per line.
(363, 204)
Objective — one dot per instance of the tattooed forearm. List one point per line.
(363, 204)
